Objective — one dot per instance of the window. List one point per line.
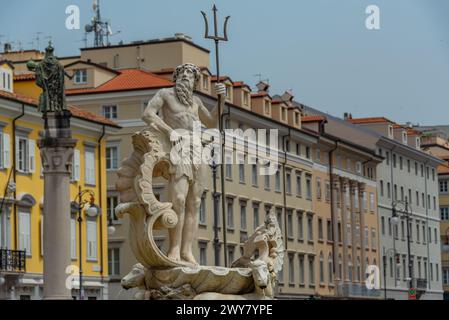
(444, 186)
(329, 231)
(300, 227)
(277, 180)
(318, 155)
(408, 165)
(231, 251)
(5, 150)
(246, 98)
(228, 163)
(389, 190)
(298, 149)
(366, 243)
(404, 137)
(400, 163)
(112, 158)
(255, 216)
(73, 246)
(382, 224)
(444, 213)
(301, 269)
(279, 218)
(91, 240)
(205, 82)
(298, 184)
(266, 179)
(291, 269)
(230, 213)
(312, 271)
(318, 188)
(371, 202)
(321, 268)
(76, 167)
(373, 238)
(358, 167)
(381, 188)
(394, 160)
(328, 191)
(80, 76)
(25, 155)
(310, 228)
(308, 155)
(242, 168)
(203, 253)
(254, 173)
(25, 232)
(202, 217)
(114, 262)
(387, 156)
(267, 106)
(288, 182)
(309, 187)
(331, 268)
(290, 223)
(89, 166)
(320, 229)
(435, 235)
(243, 216)
(110, 112)
(446, 276)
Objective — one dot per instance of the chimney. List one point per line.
(287, 96)
(7, 47)
(346, 116)
(262, 86)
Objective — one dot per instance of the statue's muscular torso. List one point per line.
(177, 115)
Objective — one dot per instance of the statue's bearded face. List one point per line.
(185, 77)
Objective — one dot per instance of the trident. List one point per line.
(217, 40)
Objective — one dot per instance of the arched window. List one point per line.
(340, 267)
(331, 268)
(358, 269)
(321, 267)
(350, 268)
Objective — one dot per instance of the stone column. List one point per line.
(334, 206)
(56, 148)
(343, 185)
(361, 187)
(352, 186)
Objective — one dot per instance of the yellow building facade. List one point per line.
(22, 192)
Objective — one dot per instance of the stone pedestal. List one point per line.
(56, 147)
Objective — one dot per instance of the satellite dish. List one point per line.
(89, 28)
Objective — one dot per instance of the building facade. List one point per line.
(21, 200)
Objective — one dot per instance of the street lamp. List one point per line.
(395, 221)
(91, 211)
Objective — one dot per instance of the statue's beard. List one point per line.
(184, 92)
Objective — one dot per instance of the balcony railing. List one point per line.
(12, 261)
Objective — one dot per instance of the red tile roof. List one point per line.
(369, 120)
(413, 132)
(222, 78)
(238, 84)
(127, 80)
(25, 76)
(313, 119)
(443, 169)
(76, 112)
(260, 94)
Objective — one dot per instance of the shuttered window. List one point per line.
(89, 166)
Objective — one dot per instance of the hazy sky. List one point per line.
(319, 48)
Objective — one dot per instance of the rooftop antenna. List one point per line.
(38, 40)
(101, 29)
(259, 77)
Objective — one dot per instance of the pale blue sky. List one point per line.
(319, 48)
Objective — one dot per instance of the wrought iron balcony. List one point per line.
(12, 261)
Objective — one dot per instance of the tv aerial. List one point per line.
(100, 28)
